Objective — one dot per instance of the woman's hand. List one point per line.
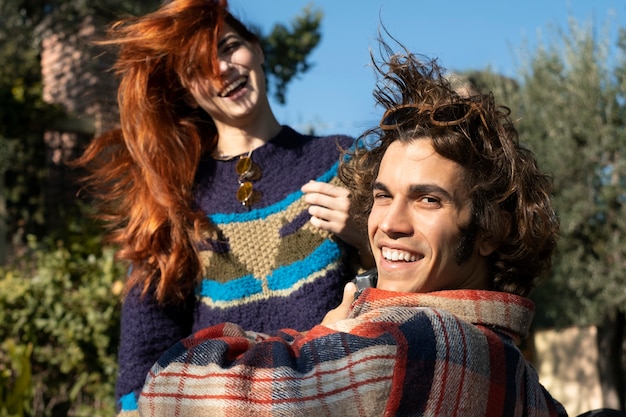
(330, 210)
(329, 206)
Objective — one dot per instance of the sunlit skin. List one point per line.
(415, 226)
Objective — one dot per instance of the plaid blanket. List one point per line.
(449, 353)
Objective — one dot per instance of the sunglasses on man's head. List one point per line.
(444, 115)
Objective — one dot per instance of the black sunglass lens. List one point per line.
(451, 113)
(398, 116)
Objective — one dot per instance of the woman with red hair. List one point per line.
(222, 213)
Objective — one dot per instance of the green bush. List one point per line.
(15, 379)
(62, 298)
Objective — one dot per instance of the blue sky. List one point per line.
(335, 96)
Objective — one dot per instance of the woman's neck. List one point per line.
(236, 140)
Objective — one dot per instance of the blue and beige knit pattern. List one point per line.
(273, 271)
(269, 267)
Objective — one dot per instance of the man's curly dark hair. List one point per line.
(510, 196)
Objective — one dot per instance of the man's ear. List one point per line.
(489, 244)
(486, 246)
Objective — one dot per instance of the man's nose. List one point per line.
(396, 220)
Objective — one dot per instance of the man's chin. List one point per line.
(397, 285)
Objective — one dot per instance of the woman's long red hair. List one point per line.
(141, 176)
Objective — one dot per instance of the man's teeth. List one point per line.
(396, 255)
(233, 86)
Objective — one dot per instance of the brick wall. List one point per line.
(76, 76)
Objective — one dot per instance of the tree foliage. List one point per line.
(22, 118)
(570, 107)
(287, 50)
(572, 114)
(570, 102)
(59, 326)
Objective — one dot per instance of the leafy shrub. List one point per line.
(62, 297)
(15, 379)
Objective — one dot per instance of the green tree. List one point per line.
(570, 105)
(287, 50)
(22, 112)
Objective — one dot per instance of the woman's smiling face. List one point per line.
(419, 222)
(241, 77)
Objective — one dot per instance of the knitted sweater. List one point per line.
(447, 353)
(269, 268)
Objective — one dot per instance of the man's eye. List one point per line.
(430, 200)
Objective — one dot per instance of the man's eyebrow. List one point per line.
(379, 186)
(430, 189)
(418, 189)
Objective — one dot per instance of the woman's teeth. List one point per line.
(233, 86)
(396, 255)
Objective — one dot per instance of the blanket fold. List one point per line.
(448, 353)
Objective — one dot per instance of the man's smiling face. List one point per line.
(419, 221)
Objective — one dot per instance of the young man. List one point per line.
(460, 224)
